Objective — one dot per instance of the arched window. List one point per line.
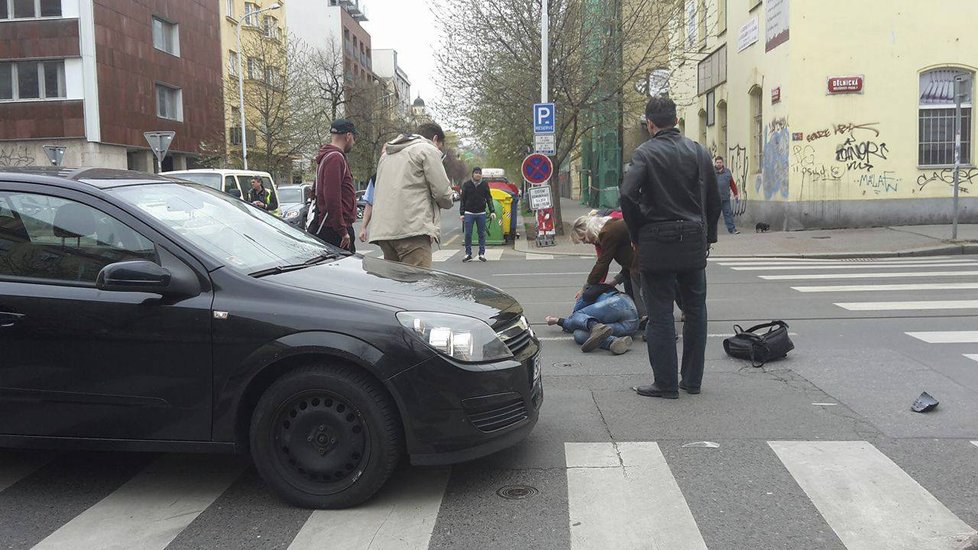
(936, 117)
(756, 128)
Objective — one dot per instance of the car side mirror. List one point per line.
(135, 276)
(236, 193)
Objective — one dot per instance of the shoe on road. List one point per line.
(619, 346)
(482, 259)
(687, 389)
(598, 333)
(467, 259)
(655, 391)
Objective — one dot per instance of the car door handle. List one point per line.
(8, 319)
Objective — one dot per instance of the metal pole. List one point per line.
(241, 108)
(545, 53)
(958, 93)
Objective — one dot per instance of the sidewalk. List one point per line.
(917, 240)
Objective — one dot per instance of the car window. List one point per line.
(230, 186)
(210, 180)
(245, 183)
(290, 195)
(56, 239)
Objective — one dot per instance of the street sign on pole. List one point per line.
(159, 142)
(55, 153)
(544, 118)
(540, 197)
(545, 144)
(537, 168)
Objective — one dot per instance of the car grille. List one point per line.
(499, 417)
(516, 336)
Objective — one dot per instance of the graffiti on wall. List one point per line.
(844, 128)
(739, 167)
(860, 155)
(14, 156)
(966, 180)
(774, 180)
(803, 163)
(879, 183)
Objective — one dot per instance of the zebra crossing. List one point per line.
(620, 495)
(943, 291)
(492, 255)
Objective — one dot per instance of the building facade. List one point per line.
(396, 81)
(94, 75)
(335, 26)
(831, 120)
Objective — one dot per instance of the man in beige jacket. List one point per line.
(410, 191)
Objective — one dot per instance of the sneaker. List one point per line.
(598, 333)
(619, 346)
(482, 259)
(467, 258)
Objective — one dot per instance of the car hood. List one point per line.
(405, 287)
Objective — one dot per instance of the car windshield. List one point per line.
(210, 180)
(233, 232)
(290, 195)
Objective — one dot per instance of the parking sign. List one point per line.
(544, 118)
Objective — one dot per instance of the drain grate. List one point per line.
(517, 492)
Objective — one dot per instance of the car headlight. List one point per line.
(461, 338)
(291, 214)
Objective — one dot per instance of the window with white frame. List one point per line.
(936, 116)
(269, 26)
(166, 36)
(229, 8)
(29, 9)
(250, 8)
(32, 80)
(169, 102)
(233, 63)
(253, 68)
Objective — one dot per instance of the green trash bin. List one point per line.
(495, 235)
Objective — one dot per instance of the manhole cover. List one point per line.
(517, 492)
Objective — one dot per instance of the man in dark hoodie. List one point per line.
(336, 203)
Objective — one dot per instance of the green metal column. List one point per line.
(605, 142)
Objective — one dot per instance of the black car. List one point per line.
(139, 313)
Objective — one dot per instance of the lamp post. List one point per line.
(244, 132)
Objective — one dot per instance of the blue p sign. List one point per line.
(544, 118)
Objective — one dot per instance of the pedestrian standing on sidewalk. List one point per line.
(726, 185)
(671, 206)
(411, 189)
(474, 204)
(336, 201)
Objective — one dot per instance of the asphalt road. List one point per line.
(817, 451)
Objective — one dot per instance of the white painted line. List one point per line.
(948, 337)
(826, 404)
(443, 255)
(886, 288)
(626, 498)
(539, 256)
(717, 335)
(16, 466)
(910, 306)
(867, 499)
(152, 508)
(972, 356)
(818, 276)
(494, 254)
(401, 517)
(841, 260)
(555, 273)
(975, 443)
(866, 264)
(852, 266)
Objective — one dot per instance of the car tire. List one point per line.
(359, 213)
(325, 436)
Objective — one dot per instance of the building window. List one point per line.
(31, 80)
(701, 24)
(936, 118)
(712, 71)
(29, 9)
(756, 128)
(233, 63)
(250, 8)
(711, 108)
(166, 36)
(270, 27)
(169, 103)
(253, 66)
(721, 17)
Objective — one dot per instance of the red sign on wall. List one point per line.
(845, 84)
(776, 95)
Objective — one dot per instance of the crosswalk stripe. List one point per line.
(401, 517)
(443, 255)
(530, 256)
(867, 499)
(494, 254)
(14, 467)
(909, 306)
(947, 337)
(853, 266)
(883, 288)
(836, 262)
(151, 509)
(876, 275)
(975, 443)
(972, 356)
(624, 496)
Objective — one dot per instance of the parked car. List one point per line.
(361, 204)
(293, 204)
(150, 314)
(232, 182)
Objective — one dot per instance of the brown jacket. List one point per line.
(614, 244)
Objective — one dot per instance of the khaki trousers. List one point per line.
(414, 251)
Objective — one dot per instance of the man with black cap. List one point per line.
(336, 203)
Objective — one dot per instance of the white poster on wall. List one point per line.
(775, 23)
(749, 34)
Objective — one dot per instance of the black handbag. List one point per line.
(759, 347)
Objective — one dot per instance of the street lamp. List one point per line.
(244, 132)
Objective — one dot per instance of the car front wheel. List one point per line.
(325, 437)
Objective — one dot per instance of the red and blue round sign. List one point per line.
(537, 168)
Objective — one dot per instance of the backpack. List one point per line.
(759, 348)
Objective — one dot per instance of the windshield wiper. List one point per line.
(317, 259)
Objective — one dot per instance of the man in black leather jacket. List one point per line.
(672, 183)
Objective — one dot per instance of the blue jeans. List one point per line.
(480, 221)
(728, 215)
(615, 310)
(660, 292)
